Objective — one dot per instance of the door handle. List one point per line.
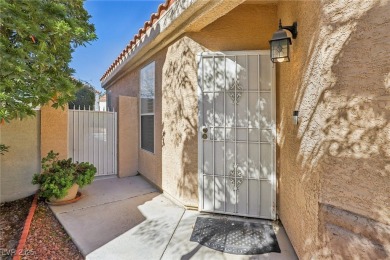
(204, 130)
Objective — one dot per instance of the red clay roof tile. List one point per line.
(162, 8)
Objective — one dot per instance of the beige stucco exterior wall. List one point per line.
(298, 183)
(233, 31)
(173, 166)
(23, 159)
(149, 164)
(30, 140)
(54, 131)
(247, 27)
(335, 164)
(126, 86)
(180, 122)
(333, 168)
(128, 136)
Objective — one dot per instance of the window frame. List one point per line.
(147, 114)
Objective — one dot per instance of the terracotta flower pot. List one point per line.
(72, 192)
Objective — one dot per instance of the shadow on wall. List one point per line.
(344, 103)
(180, 118)
(343, 88)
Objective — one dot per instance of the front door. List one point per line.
(237, 134)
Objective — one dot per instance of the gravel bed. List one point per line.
(47, 238)
(12, 217)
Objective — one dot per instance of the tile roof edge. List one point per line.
(162, 8)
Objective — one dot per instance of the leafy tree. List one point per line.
(85, 97)
(37, 38)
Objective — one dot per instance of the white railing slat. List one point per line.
(92, 138)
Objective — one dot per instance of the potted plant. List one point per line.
(60, 179)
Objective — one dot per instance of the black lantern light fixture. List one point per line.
(280, 43)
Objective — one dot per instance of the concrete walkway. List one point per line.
(129, 219)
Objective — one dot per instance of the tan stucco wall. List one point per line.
(126, 86)
(180, 122)
(333, 168)
(334, 174)
(149, 164)
(54, 131)
(172, 176)
(233, 31)
(247, 27)
(23, 159)
(173, 166)
(298, 183)
(128, 138)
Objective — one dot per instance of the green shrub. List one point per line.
(59, 175)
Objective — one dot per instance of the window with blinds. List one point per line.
(147, 85)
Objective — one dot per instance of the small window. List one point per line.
(147, 85)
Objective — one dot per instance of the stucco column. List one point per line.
(54, 131)
(127, 136)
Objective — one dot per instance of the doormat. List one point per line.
(235, 237)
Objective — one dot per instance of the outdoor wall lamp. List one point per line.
(280, 50)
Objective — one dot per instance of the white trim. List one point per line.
(147, 114)
(234, 53)
(200, 141)
(274, 143)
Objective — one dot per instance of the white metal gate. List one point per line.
(92, 138)
(237, 134)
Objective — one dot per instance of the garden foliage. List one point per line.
(59, 175)
(37, 39)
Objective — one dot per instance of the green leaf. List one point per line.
(37, 39)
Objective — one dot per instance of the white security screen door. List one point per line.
(237, 134)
